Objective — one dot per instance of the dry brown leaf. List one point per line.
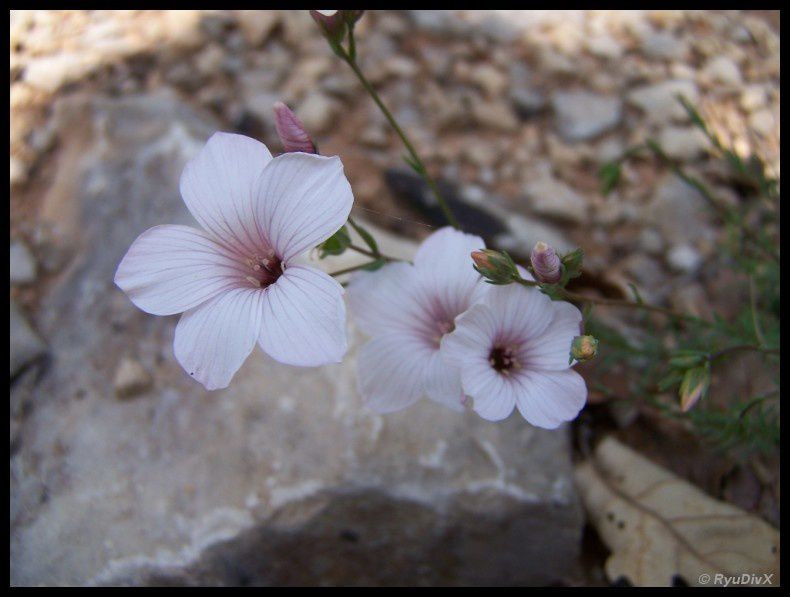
(659, 526)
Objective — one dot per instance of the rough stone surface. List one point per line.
(659, 102)
(550, 197)
(683, 143)
(582, 115)
(131, 379)
(723, 70)
(679, 211)
(22, 264)
(26, 345)
(280, 479)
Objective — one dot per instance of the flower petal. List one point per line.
(551, 349)
(213, 340)
(303, 199)
(473, 337)
(521, 312)
(217, 186)
(468, 348)
(170, 269)
(443, 383)
(304, 318)
(383, 301)
(391, 371)
(446, 269)
(549, 398)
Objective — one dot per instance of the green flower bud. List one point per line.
(583, 348)
(495, 266)
(694, 386)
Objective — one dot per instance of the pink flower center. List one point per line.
(265, 270)
(504, 359)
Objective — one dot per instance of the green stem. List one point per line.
(371, 254)
(573, 296)
(742, 347)
(354, 268)
(757, 401)
(418, 163)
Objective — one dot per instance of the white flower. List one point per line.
(409, 309)
(512, 349)
(236, 280)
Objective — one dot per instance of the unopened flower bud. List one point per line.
(583, 348)
(291, 131)
(495, 266)
(546, 263)
(332, 23)
(694, 386)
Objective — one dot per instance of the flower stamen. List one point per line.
(503, 359)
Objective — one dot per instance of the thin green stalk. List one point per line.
(417, 162)
(740, 348)
(354, 268)
(573, 296)
(371, 254)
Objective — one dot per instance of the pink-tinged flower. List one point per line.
(512, 348)
(408, 309)
(236, 281)
(291, 131)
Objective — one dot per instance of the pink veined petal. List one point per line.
(217, 186)
(549, 398)
(472, 339)
(302, 200)
(383, 301)
(304, 318)
(443, 383)
(170, 269)
(522, 313)
(213, 340)
(494, 395)
(468, 348)
(391, 371)
(445, 266)
(551, 349)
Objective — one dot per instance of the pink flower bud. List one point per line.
(291, 131)
(331, 22)
(546, 263)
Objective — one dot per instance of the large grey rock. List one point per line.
(281, 479)
(583, 115)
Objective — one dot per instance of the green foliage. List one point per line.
(335, 244)
(703, 347)
(366, 236)
(374, 265)
(571, 266)
(609, 175)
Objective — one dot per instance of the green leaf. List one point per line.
(609, 175)
(571, 266)
(366, 236)
(374, 265)
(335, 244)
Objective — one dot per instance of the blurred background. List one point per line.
(125, 472)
